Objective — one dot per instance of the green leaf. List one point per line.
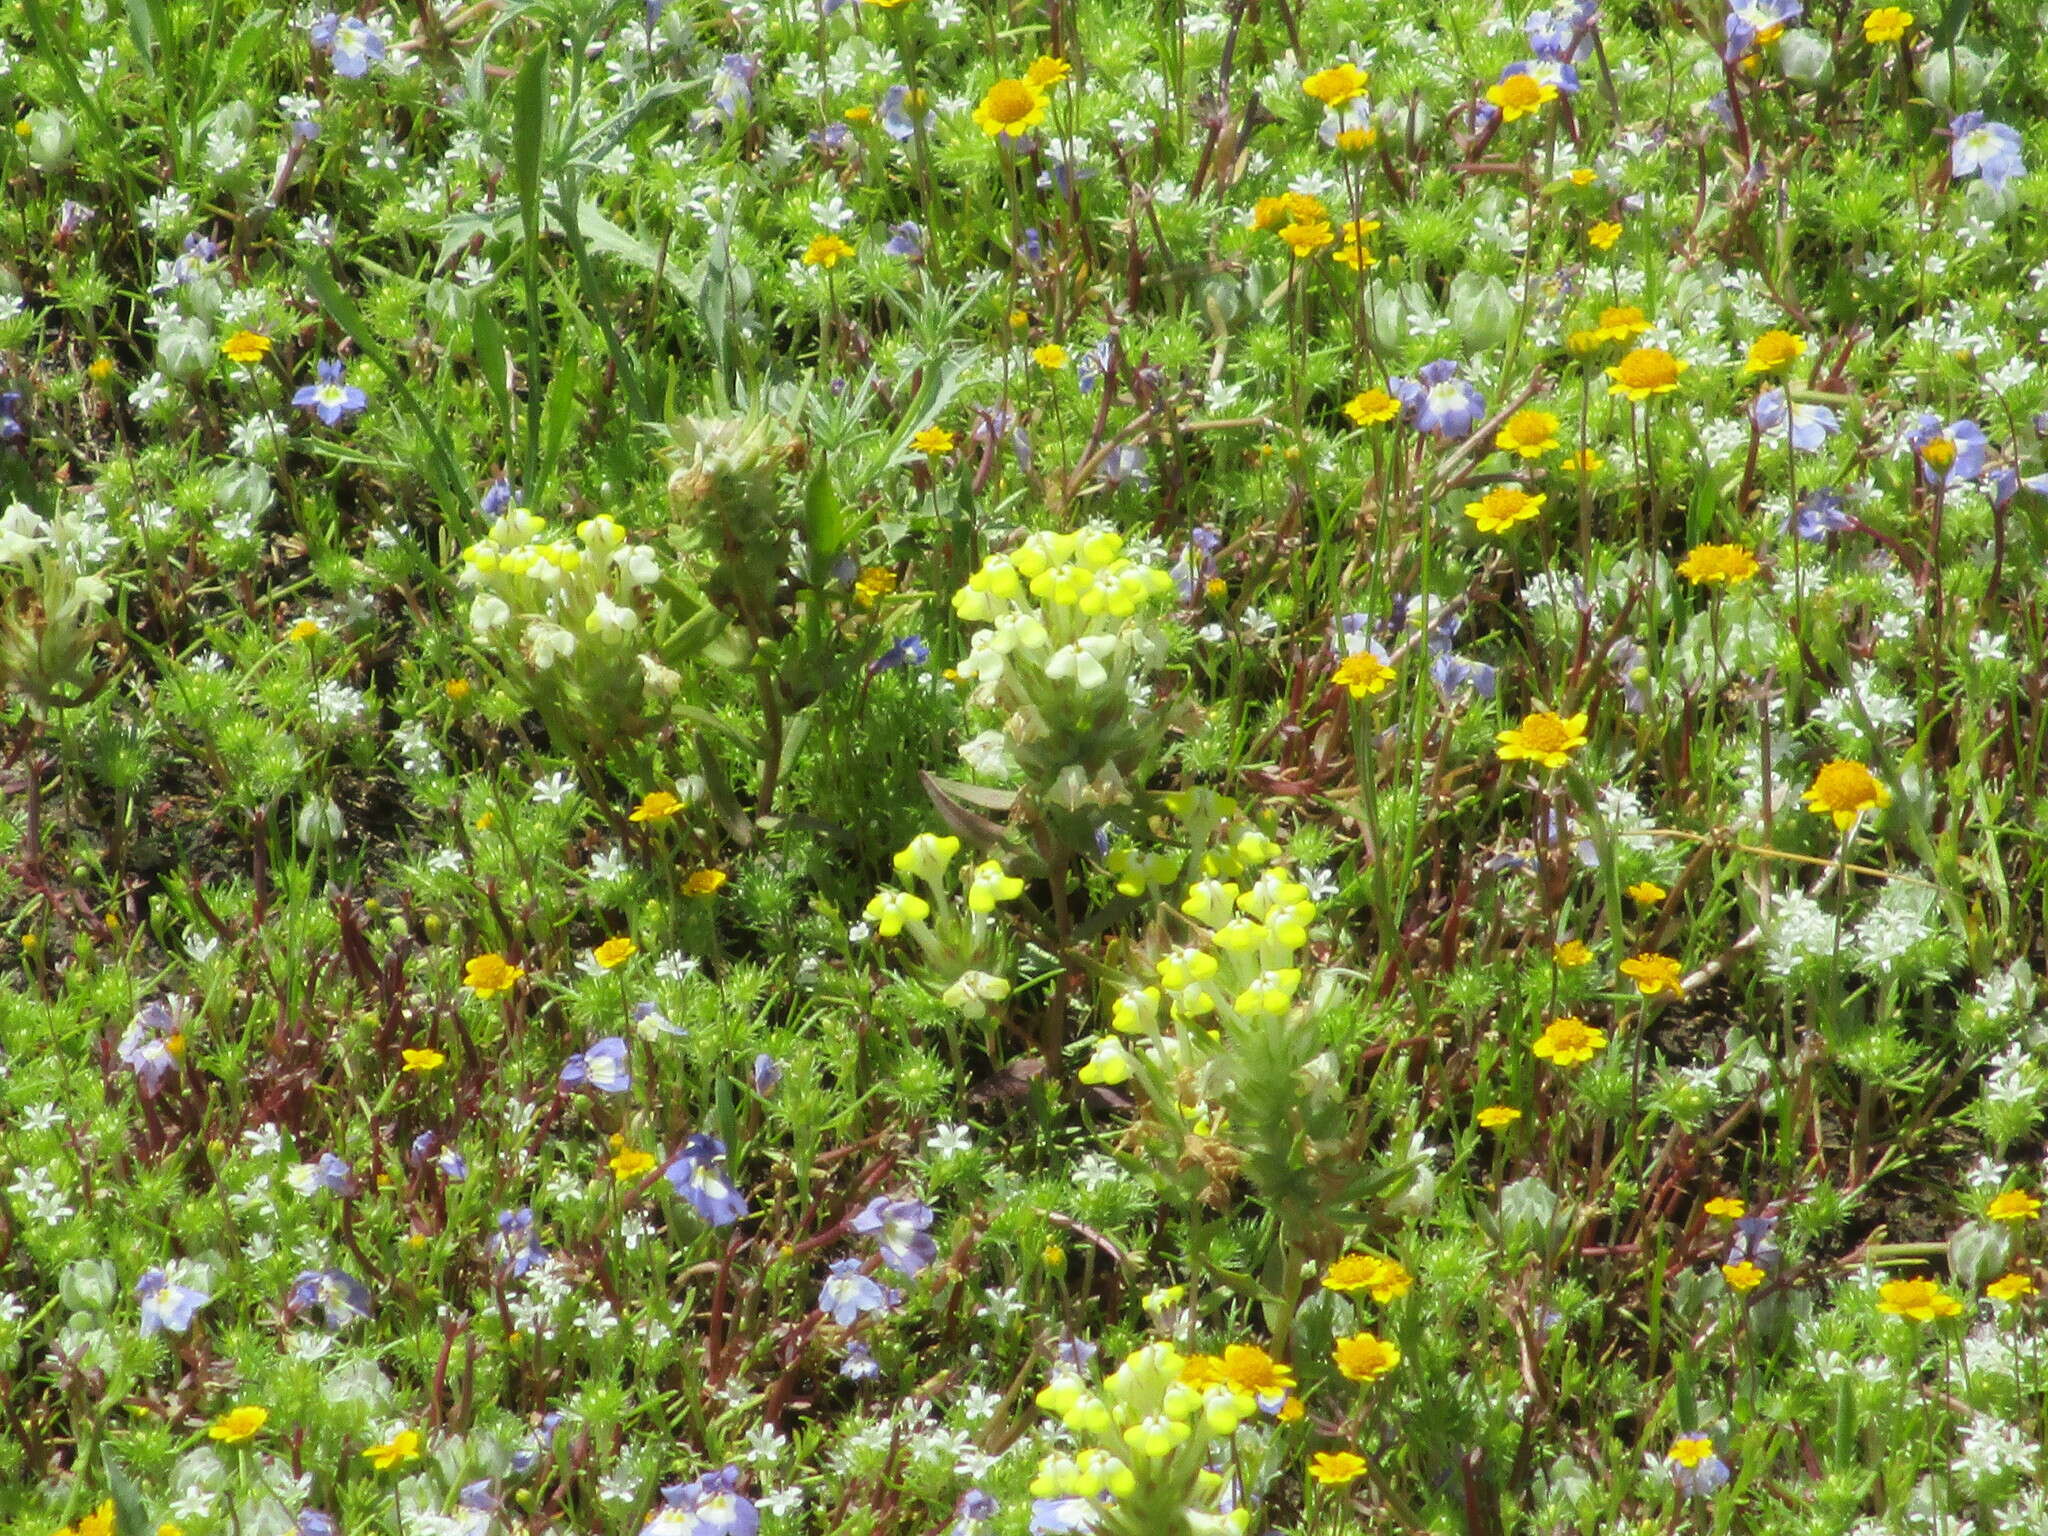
(1951, 28)
(147, 24)
(131, 1517)
(824, 519)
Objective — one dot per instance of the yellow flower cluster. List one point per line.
(556, 594)
(1062, 654)
(1147, 1433)
(963, 940)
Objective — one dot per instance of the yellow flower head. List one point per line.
(1722, 1207)
(1772, 351)
(703, 882)
(1585, 462)
(1887, 24)
(1010, 109)
(1052, 357)
(1543, 738)
(1386, 1280)
(934, 442)
(656, 805)
(1605, 235)
(630, 1163)
(424, 1059)
(1919, 1299)
(613, 953)
(1645, 372)
(1336, 85)
(1618, 322)
(1569, 1042)
(2011, 1287)
(1529, 433)
(1305, 237)
(1334, 1469)
(1250, 1369)
(2013, 1205)
(245, 347)
(1653, 974)
(1742, 1278)
(488, 975)
(303, 630)
(1728, 565)
(238, 1424)
(1372, 408)
(395, 1452)
(1503, 507)
(1365, 1357)
(1648, 892)
(1497, 1117)
(1689, 1451)
(1047, 71)
(1363, 674)
(1519, 95)
(827, 251)
(874, 583)
(1845, 789)
(1570, 955)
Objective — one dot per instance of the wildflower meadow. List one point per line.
(973, 767)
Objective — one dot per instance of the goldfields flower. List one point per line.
(1052, 357)
(1772, 351)
(1365, 1357)
(1605, 235)
(1497, 1117)
(1250, 1369)
(1529, 433)
(1569, 1042)
(1372, 408)
(630, 1163)
(245, 347)
(1618, 322)
(1653, 974)
(1386, 1280)
(1334, 86)
(1887, 24)
(1728, 565)
(1047, 70)
(874, 583)
(1919, 1299)
(704, 882)
(613, 953)
(303, 630)
(1543, 738)
(1570, 955)
(1645, 372)
(1334, 1469)
(1503, 507)
(2013, 1205)
(1354, 252)
(1010, 109)
(1742, 1278)
(1648, 892)
(1304, 239)
(1519, 93)
(1726, 1209)
(238, 1424)
(99, 1522)
(423, 1059)
(488, 975)
(656, 805)
(395, 1452)
(1363, 674)
(827, 251)
(934, 442)
(1845, 789)
(2011, 1287)
(1585, 462)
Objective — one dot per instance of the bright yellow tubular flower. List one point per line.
(890, 909)
(992, 884)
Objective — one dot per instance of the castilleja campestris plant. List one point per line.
(1149, 1451)
(1067, 646)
